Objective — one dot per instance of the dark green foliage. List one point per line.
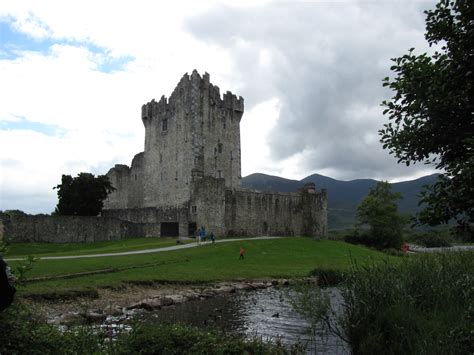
(359, 237)
(423, 305)
(23, 332)
(432, 239)
(3, 247)
(184, 339)
(83, 195)
(23, 268)
(432, 113)
(328, 277)
(13, 213)
(379, 212)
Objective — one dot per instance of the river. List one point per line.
(265, 313)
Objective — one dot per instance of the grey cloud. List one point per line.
(28, 201)
(325, 61)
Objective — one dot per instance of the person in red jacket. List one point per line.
(242, 252)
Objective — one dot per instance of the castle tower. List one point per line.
(192, 134)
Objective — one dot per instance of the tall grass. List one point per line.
(423, 305)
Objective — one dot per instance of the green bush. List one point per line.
(361, 237)
(23, 332)
(328, 277)
(423, 305)
(184, 339)
(433, 239)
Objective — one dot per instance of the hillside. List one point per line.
(343, 196)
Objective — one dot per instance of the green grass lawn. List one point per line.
(64, 249)
(276, 258)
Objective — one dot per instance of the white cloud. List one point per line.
(266, 52)
(257, 123)
(98, 114)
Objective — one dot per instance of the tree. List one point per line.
(431, 115)
(379, 211)
(83, 195)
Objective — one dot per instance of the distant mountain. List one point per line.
(343, 196)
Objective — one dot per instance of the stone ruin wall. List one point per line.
(72, 229)
(250, 212)
(207, 206)
(243, 212)
(239, 212)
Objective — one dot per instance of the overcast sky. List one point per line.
(74, 74)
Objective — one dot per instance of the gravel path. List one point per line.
(419, 249)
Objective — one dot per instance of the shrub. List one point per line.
(23, 332)
(184, 339)
(328, 277)
(360, 237)
(433, 239)
(423, 305)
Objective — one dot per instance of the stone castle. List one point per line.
(189, 173)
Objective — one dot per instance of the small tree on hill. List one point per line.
(379, 211)
(83, 195)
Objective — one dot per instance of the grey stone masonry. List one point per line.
(193, 133)
(72, 229)
(189, 173)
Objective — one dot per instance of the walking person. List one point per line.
(213, 238)
(241, 254)
(198, 237)
(202, 234)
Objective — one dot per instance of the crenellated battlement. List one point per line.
(189, 92)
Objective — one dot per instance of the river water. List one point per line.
(265, 313)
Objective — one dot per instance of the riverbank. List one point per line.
(127, 300)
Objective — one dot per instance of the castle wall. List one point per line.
(249, 212)
(167, 152)
(207, 207)
(135, 186)
(119, 177)
(240, 212)
(153, 217)
(72, 229)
